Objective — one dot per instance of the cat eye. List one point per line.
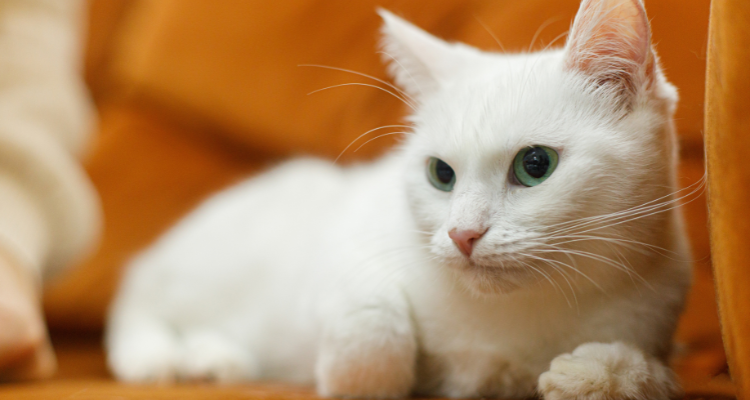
(440, 174)
(533, 165)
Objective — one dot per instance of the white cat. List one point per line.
(515, 243)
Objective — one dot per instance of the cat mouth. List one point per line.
(489, 265)
(491, 277)
(493, 268)
(497, 263)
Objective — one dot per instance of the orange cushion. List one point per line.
(234, 65)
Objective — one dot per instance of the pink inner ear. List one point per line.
(610, 41)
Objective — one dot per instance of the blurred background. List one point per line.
(193, 95)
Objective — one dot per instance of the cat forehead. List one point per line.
(505, 103)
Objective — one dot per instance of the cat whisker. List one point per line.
(541, 28)
(405, 101)
(492, 34)
(588, 254)
(552, 282)
(558, 37)
(362, 74)
(565, 276)
(638, 215)
(631, 214)
(608, 218)
(380, 136)
(568, 266)
(365, 134)
(690, 187)
(694, 188)
(596, 257)
(631, 244)
(624, 261)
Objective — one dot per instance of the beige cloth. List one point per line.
(49, 211)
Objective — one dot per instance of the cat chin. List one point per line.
(494, 279)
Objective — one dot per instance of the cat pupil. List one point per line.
(536, 162)
(444, 172)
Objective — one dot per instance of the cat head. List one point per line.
(515, 157)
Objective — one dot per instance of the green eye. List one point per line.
(533, 165)
(440, 174)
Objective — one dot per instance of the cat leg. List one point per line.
(608, 371)
(143, 351)
(211, 356)
(368, 353)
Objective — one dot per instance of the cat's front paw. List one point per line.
(370, 354)
(145, 357)
(209, 356)
(598, 371)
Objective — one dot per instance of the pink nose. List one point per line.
(465, 239)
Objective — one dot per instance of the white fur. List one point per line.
(346, 277)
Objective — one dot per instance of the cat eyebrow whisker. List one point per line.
(404, 94)
(380, 136)
(545, 24)
(528, 75)
(487, 28)
(365, 134)
(405, 101)
(556, 38)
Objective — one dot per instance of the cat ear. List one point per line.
(418, 61)
(610, 42)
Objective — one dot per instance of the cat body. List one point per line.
(359, 280)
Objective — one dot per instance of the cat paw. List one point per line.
(370, 355)
(209, 356)
(598, 371)
(145, 358)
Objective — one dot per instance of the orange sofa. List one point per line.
(194, 95)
